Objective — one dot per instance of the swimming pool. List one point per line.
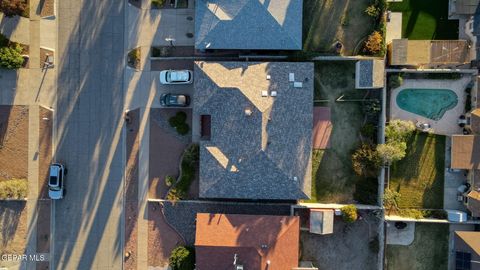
(429, 103)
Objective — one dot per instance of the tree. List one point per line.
(399, 130)
(391, 151)
(13, 7)
(372, 11)
(349, 213)
(395, 81)
(374, 43)
(182, 258)
(11, 57)
(366, 161)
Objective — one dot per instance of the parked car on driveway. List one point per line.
(176, 76)
(174, 100)
(55, 181)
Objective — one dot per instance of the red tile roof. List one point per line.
(256, 240)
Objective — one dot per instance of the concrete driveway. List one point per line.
(402, 237)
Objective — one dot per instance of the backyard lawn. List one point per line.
(419, 176)
(426, 19)
(429, 250)
(328, 21)
(333, 179)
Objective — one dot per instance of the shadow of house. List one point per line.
(261, 129)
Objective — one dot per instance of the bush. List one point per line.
(169, 180)
(390, 199)
(13, 7)
(189, 161)
(399, 130)
(374, 43)
(158, 3)
(349, 213)
(372, 11)
(468, 103)
(178, 122)
(13, 189)
(395, 81)
(392, 151)
(365, 161)
(11, 57)
(182, 129)
(182, 258)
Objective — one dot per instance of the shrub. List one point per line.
(349, 213)
(169, 180)
(188, 163)
(399, 130)
(182, 258)
(158, 3)
(13, 7)
(392, 151)
(13, 189)
(11, 57)
(365, 161)
(372, 11)
(390, 199)
(175, 195)
(368, 130)
(468, 103)
(374, 43)
(395, 81)
(182, 129)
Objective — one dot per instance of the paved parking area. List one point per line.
(403, 236)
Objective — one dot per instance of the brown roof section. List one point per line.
(474, 203)
(322, 127)
(255, 239)
(475, 121)
(472, 239)
(466, 152)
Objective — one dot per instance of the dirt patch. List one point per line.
(44, 150)
(166, 148)
(350, 244)
(131, 192)
(13, 142)
(162, 239)
(13, 228)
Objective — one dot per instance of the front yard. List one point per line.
(333, 179)
(429, 249)
(419, 177)
(328, 21)
(426, 19)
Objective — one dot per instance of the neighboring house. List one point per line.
(467, 250)
(256, 129)
(428, 53)
(246, 242)
(463, 7)
(370, 74)
(248, 24)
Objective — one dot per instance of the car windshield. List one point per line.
(53, 181)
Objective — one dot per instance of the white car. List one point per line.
(55, 181)
(176, 76)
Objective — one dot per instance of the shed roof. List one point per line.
(465, 152)
(466, 7)
(471, 238)
(254, 239)
(248, 24)
(260, 146)
(321, 221)
(370, 73)
(428, 52)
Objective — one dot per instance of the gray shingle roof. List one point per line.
(248, 24)
(256, 156)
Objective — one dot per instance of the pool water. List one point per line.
(429, 103)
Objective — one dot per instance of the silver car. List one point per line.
(55, 181)
(176, 76)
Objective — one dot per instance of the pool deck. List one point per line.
(447, 125)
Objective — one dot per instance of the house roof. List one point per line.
(370, 73)
(248, 24)
(465, 152)
(471, 239)
(474, 203)
(475, 121)
(428, 52)
(466, 7)
(260, 147)
(255, 240)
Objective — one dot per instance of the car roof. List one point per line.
(54, 170)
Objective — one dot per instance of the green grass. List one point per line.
(426, 19)
(429, 250)
(333, 179)
(419, 176)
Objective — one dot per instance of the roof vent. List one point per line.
(291, 77)
(264, 246)
(298, 84)
(295, 178)
(264, 93)
(273, 93)
(248, 111)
